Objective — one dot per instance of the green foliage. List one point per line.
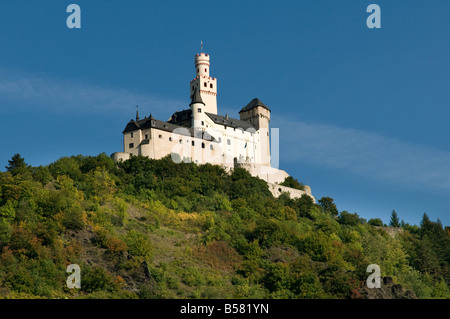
(96, 279)
(16, 165)
(139, 245)
(293, 183)
(375, 222)
(328, 205)
(5, 232)
(394, 221)
(148, 228)
(8, 211)
(346, 218)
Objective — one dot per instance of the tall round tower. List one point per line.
(207, 85)
(197, 107)
(202, 64)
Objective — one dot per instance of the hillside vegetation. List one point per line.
(155, 229)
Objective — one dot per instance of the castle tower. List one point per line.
(258, 114)
(197, 107)
(206, 84)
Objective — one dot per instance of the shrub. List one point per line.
(139, 245)
(96, 279)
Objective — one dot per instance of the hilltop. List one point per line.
(148, 228)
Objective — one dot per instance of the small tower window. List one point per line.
(228, 142)
(160, 136)
(170, 139)
(193, 143)
(211, 85)
(203, 123)
(211, 147)
(205, 85)
(199, 110)
(131, 145)
(203, 145)
(131, 134)
(146, 136)
(206, 69)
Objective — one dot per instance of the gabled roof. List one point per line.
(228, 121)
(254, 103)
(151, 122)
(182, 118)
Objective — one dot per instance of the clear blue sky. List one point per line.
(363, 113)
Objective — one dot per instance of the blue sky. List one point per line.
(363, 113)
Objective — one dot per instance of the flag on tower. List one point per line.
(201, 43)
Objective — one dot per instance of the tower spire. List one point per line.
(196, 97)
(137, 112)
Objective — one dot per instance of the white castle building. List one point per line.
(198, 134)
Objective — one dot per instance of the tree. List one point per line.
(293, 183)
(328, 205)
(375, 222)
(345, 218)
(395, 221)
(17, 165)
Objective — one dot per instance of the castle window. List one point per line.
(228, 141)
(203, 123)
(211, 85)
(146, 136)
(199, 110)
(205, 85)
(131, 134)
(205, 70)
(170, 139)
(181, 141)
(211, 147)
(131, 145)
(193, 143)
(203, 145)
(160, 136)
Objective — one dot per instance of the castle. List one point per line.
(200, 135)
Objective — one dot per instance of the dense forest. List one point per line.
(156, 229)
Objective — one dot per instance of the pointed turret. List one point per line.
(196, 97)
(137, 112)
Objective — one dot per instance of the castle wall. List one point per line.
(277, 190)
(120, 156)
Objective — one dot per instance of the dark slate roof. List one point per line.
(151, 122)
(254, 103)
(228, 121)
(182, 118)
(196, 98)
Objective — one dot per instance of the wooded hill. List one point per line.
(155, 229)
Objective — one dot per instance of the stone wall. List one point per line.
(277, 190)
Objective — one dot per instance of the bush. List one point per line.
(376, 222)
(139, 245)
(96, 279)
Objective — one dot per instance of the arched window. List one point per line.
(205, 85)
(211, 85)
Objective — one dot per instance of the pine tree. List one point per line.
(394, 222)
(17, 165)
